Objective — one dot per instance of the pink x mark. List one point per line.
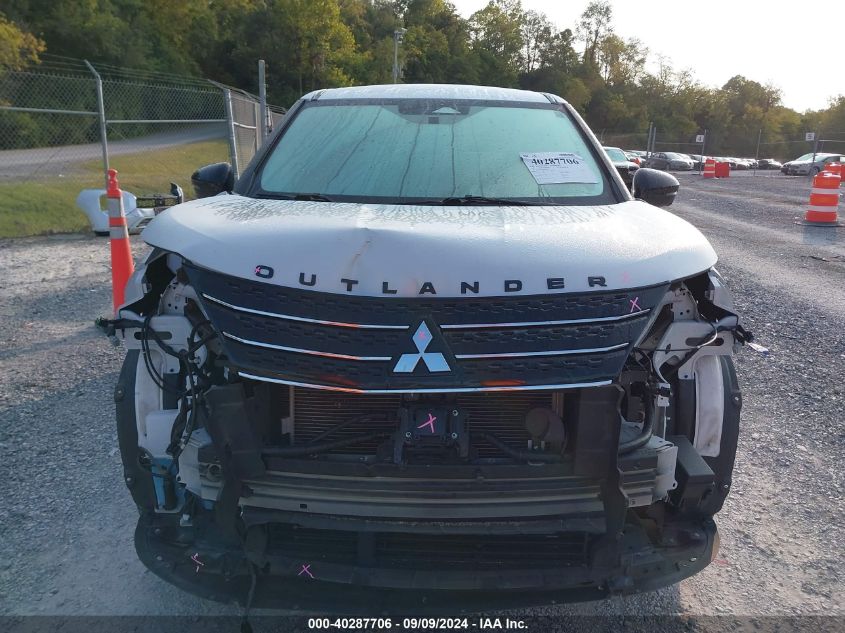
(196, 559)
(429, 423)
(635, 304)
(306, 570)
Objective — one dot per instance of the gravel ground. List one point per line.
(66, 520)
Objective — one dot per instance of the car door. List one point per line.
(659, 161)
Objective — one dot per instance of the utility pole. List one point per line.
(398, 35)
(815, 151)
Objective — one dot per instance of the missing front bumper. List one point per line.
(211, 567)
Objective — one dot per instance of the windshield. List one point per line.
(676, 156)
(418, 151)
(616, 154)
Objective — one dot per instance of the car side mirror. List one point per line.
(655, 187)
(213, 179)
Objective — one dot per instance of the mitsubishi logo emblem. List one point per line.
(434, 361)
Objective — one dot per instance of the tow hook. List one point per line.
(107, 327)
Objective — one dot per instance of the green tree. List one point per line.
(594, 24)
(497, 38)
(560, 52)
(304, 41)
(621, 62)
(537, 34)
(17, 47)
(436, 47)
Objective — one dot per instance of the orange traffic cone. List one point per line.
(709, 168)
(824, 200)
(122, 265)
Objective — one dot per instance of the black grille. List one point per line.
(375, 351)
(395, 550)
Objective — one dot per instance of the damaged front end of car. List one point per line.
(264, 470)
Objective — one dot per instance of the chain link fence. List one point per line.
(245, 133)
(624, 140)
(64, 122)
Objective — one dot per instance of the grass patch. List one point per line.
(48, 205)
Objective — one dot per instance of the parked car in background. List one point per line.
(727, 159)
(788, 164)
(626, 168)
(805, 165)
(633, 157)
(668, 161)
(698, 160)
(768, 163)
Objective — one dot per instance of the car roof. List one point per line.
(433, 91)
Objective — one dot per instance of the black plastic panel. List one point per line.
(525, 369)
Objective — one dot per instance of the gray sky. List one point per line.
(798, 47)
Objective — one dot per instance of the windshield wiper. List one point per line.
(468, 200)
(316, 197)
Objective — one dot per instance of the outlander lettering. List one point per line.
(428, 287)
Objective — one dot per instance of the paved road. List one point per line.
(66, 520)
(51, 161)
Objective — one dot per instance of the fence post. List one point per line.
(256, 136)
(757, 155)
(101, 108)
(262, 101)
(233, 146)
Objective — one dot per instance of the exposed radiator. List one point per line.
(499, 413)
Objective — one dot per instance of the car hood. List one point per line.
(324, 246)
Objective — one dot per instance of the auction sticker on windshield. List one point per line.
(554, 168)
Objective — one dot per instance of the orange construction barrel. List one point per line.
(824, 199)
(836, 168)
(709, 168)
